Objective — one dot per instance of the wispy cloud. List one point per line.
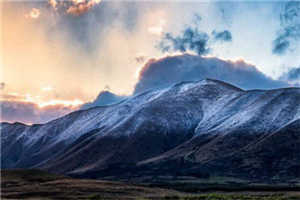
(290, 28)
(292, 76)
(224, 36)
(192, 39)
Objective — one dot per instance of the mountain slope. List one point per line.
(191, 128)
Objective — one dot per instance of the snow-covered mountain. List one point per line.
(191, 128)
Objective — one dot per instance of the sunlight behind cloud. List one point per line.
(47, 89)
(33, 14)
(67, 103)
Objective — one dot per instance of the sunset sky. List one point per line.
(58, 55)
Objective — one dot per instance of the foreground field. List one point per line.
(35, 184)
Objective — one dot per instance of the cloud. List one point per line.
(27, 112)
(293, 75)
(78, 47)
(192, 39)
(33, 14)
(73, 7)
(222, 36)
(280, 45)
(290, 28)
(80, 7)
(53, 4)
(104, 98)
(159, 73)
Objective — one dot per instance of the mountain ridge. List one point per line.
(191, 127)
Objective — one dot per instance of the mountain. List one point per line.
(198, 129)
(104, 98)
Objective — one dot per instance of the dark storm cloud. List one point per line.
(15, 111)
(170, 70)
(222, 36)
(290, 28)
(104, 98)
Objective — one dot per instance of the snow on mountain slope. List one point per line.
(146, 125)
(195, 121)
(245, 120)
(267, 110)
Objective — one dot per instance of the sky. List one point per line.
(60, 56)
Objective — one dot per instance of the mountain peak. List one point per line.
(104, 98)
(221, 83)
(207, 82)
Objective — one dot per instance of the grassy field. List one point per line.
(35, 184)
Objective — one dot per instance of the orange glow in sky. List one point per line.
(34, 13)
(40, 101)
(158, 28)
(67, 103)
